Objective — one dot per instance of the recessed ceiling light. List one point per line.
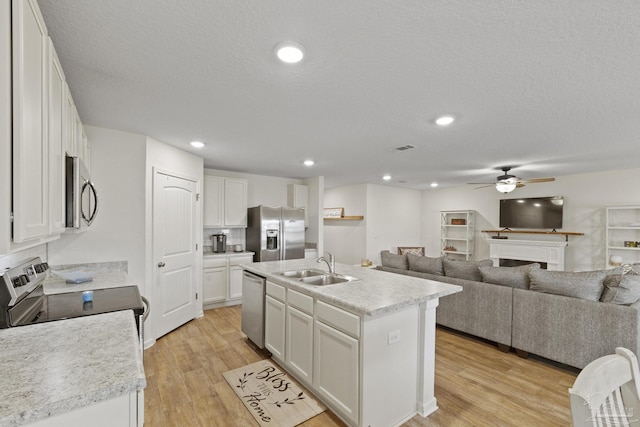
(309, 162)
(289, 52)
(434, 184)
(386, 177)
(197, 144)
(445, 120)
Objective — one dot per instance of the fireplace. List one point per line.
(527, 251)
(506, 262)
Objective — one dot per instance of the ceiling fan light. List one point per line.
(505, 186)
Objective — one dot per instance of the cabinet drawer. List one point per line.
(214, 262)
(338, 318)
(300, 301)
(275, 291)
(237, 260)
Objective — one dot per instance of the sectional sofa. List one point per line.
(571, 318)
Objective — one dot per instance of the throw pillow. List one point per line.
(584, 285)
(394, 261)
(515, 277)
(425, 264)
(467, 270)
(622, 288)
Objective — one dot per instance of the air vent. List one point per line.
(404, 148)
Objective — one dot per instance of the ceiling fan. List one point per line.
(506, 183)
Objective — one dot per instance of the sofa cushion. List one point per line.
(394, 261)
(425, 264)
(516, 277)
(585, 285)
(622, 288)
(467, 270)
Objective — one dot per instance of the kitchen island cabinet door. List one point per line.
(336, 370)
(274, 327)
(299, 347)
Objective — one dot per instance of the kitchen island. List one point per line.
(74, 372)
(366, 348)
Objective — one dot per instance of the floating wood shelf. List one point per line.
(566, 234)
(350, 218)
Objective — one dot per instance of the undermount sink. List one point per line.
(327, 279)
(298, 274)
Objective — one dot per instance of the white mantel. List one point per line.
(528, 250)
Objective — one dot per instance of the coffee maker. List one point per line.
(219, 243)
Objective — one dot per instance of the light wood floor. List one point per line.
(476, 384)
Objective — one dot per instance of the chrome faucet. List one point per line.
(331, 263)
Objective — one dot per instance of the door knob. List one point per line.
(161, 264)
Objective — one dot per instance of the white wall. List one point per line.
(394, 218)
(585, 195)
(117, 234)
(345, 239)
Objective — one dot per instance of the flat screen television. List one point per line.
(533, 212)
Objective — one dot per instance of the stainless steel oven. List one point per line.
(23, 302)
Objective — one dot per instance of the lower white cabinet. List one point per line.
(336, 369)
(222, 280)
(274, 327)
(299, 343)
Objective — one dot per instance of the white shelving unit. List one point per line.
(623, 225)
(457, 231)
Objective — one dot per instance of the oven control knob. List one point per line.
(16, 281)
(24, 279)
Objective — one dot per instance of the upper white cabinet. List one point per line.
(39, 124)
(298, 197)
(57, 120)
(30, 139)
(225, 202)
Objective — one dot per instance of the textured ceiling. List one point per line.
(552, 87)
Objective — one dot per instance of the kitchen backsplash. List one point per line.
(11, 260)
(235, 236)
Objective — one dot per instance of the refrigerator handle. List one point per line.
(283, 242)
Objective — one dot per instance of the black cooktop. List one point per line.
(70, 305)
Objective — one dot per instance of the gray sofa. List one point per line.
(568, 329)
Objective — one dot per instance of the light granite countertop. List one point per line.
(55, 367)
(101, 280)
(375, 293)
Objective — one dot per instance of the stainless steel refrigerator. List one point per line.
(275, 233)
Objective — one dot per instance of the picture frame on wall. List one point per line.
(333, 212)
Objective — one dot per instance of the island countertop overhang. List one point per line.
(376, 293)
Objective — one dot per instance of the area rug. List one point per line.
(271, 396)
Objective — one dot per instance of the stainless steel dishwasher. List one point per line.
(253, 292)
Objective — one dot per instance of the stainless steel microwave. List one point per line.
(81, 195)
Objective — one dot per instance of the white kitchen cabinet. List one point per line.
(30, 139)
(69, 141)
(235, 275)
(274, 327)
(298, 197)
(336, 370)
(214, 283)
(225, 202)
(57, 121)
(222, 280)
(299, 343)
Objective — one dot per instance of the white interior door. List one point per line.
(174, 250)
